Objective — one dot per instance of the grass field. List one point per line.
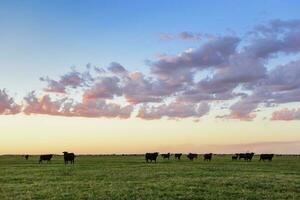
(129, 177)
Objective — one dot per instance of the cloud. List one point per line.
(166, 36)
(276, 26)
(239, 69)
(283, 84)
(179, 69)
(53, 85)
(106, 88)
(243, 109)
(44, 105)
(277, 36)
(117, 68)
(100, 108)
(187, 36)
(72, 79)
(8, 105)
(67, 107)
(173, 110)
(224, 69)
(286, 114)
(140, 89)
(211, 53)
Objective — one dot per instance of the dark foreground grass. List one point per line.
(129, 177)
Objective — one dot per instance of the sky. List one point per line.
(138, 76)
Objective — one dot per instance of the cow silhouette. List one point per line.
(249, 156)
(178, 155)
(151, 156)
(235, 157)
(264, 157)
(246, 156)
(45, 157)
(191, 156)
(166, 155)
(207, 156)
(69, 157)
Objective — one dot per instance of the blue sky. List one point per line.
(41, 38)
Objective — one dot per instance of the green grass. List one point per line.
(129, 177)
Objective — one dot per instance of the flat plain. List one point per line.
(129, 177)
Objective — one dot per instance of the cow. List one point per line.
(26, 157)
(45, 157)
(178, 155)
(264, 157)
(151, 156)
(245, 156)
(235, 157)
(166, 155)
(249, 156)
(191, 156)
(242, 156)
(69, 157)
(207, 156)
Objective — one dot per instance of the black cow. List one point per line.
(264, 157)
(242, 156)
(235, 157)
(69, 157)
(166, 155)
(46, 157)
(207, 156)
(26, 157)
(191, 156)
(249, 156)
(178, 155)
(151, 156)
(245, 156)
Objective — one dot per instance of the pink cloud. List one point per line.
(67, 107)
(100, 108)
(286, 114)
(8, 105)
(43, 105)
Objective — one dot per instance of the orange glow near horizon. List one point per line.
(44, 134)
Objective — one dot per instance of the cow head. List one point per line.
(65, 152)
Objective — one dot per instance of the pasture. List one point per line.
(129, 177)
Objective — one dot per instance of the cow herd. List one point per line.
(68, 158)
(249, 156)
(191, 156)
(208, 156)
(149, 157)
